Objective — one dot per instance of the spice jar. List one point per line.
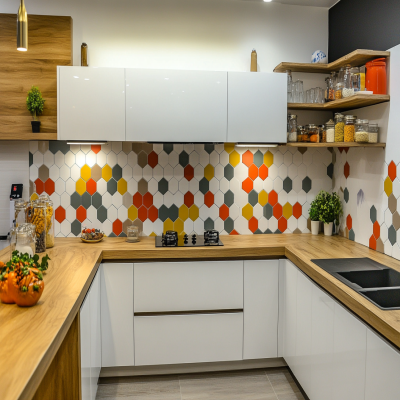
(49, 220)
(313, 133)
(322, 133)
(373, 131)
(292, 128)
(330, 131)
(38, 218)
(361, 135)
(330, 88)
(339, 127)
(132, 234)
(349, 129)
(339, 91)
(20, 207)
(300, 133)
(23, 239)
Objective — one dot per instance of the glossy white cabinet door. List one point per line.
(349, 357)
(188, 286)
(117, 315)
(383, 369)
(260, 309)
(85, 348)
(302, 361)
(257, 107)
(290, 313)
(95, 344)
(322, 345)
(178, 339)
(176, 106)
(91, 103)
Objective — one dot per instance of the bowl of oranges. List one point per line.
(91, 235)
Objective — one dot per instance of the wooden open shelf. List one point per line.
(355, 58)
(349, 103)
(29, 136)
(338, 144)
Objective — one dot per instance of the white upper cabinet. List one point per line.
(176, 106)
(91, 103)
(257, 107)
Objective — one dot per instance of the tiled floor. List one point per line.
(270, 384)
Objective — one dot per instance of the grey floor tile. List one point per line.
(284, 386)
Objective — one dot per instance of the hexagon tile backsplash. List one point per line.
(185, 187)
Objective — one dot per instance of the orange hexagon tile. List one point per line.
(80, 186)
(209, 199)
(106, 173)
(234, 158)
(297, 210)
(122, 186)
(224, 212)
(193, 212)
(346, 170)
(272, 197)
(247, 158)
(277, 211)
(253, 172)
(376, 229)
(282, 224)
(247, 185)
(209, 172)
(263, 198)
(132, 213)
(253, 224)
(392, 171)
(263, 172)
(247, 211)
(287, 210)
(349, 222)
(91, 187)
(142, 213)
(81, 214)
(268, 158)
(388, 186)
(372, 242)
(86, 172)
(153, 214)
(183, 212)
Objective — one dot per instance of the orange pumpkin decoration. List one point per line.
(4, 292)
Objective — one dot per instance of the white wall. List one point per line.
(188, 34)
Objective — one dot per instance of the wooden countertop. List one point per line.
(30, 337)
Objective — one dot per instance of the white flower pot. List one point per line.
(315, 227)
(328, 229)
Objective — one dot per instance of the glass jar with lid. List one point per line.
(322, 133)
(339, 91)
(300, 133)
(37, 217)
(361, 135)
(330, 131)
(373, 131)
(339, 127)
(132, 234)
(20, 207)
(313, 133)
(349, 128)
(49, 220)
(292, 128)
(23, 239)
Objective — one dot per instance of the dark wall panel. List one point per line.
(363, 24)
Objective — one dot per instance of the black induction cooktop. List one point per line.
(172, 239)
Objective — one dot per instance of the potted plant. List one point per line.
(314, 212)
(34, 104)
(331, 210)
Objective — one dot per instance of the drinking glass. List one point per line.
(321, 95)
(312, 95)
(308, 96)
(294, 92)
(318, 92)
(299, 91)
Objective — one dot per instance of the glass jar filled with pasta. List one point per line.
(349, 128)
(339, 127)
(49, 220)
(37, 217)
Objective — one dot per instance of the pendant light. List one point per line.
(22, 28)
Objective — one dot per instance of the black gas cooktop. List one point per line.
(172, 239)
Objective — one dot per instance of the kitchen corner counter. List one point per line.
(30, 337)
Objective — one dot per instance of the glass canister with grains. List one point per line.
(349, 128)
(49, 220)
(339, 127)
(361, 134)
(36, 215)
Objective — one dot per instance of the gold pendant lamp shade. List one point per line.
(22, 28)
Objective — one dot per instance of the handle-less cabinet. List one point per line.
(176, 106)
(257, 107)
(84, 320)
(117, 315)
(91, 103)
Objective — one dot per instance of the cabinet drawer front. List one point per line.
(178, 339)
(188, 286)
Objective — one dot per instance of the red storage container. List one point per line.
(375, 79)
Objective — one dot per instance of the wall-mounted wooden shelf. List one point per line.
(339, 144)
(355, 58)
(29, 136)
(349, 103)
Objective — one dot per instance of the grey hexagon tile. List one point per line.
(253, 198)
(101, 214)
(30, 159)
(43, 173)
(258, 158)
(268, 211)
(329, 170)
(208, 224)
(168, 147)
(142, 159)
(58, 145)
(117, 172)
(392, 235)
(97, 200)
(346, 195)
(229, 198)
(173, 213)
(76, 228)
(204, 185)
(302, 150)
(229, 225)
(392, 202)
(306, 184)
(269, 232)
(372, 214)
(163, 186)
(209, 148)
(142, 186)
(183, 159)
(352, 235)
(112, 186)
(76, 200)
(86, 200)
(163, 213)
(229, 172)
(287, 185)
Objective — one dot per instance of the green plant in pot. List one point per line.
(35, 104)
(331, 210)
(314, 213)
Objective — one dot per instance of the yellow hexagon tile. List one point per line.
(183, 212)
(106, 173)
(388, 186)
(80, 186)
(34, 196)
(268, 158)
(153, 234)
(168, 225)
(86, 172)
(229, 147)
(247, 211)
(193, 212)
(178, 226)
(263, 197)
(209, 172)
(287, 210)
(234, 158)
(122, 186)
(132, 213)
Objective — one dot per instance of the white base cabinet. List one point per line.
(90, 337)
(260, 337)
(117, 342)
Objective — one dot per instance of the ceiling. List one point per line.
(315, 3)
